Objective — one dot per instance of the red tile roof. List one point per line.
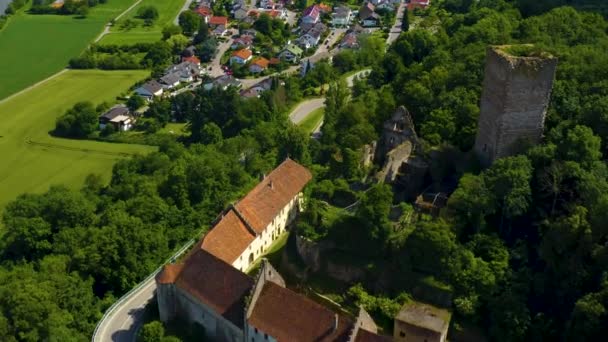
(261, 62)
(262, 204)
(242, 54)
(169, 273)
(192, 59)
(204, 11)
(228, 238)
(290, 317)
(274, 61)
(215, 284)
(218, 21)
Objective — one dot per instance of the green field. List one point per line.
(32, 159)
(33, 47)
(167, 9)
(312, 120)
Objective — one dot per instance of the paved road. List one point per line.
(304, 108)
(216, 65)
(396, 29)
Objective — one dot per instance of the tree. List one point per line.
(405, 23)
(471, 203)
(189, 21)
(509, 181)
(148, 13)
(159, 54)
(135, 102)
(171, 30)
(203, 33)
(151, 332)
(78, 122)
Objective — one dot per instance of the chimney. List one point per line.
(270, 185)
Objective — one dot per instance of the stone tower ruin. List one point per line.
(516, 91)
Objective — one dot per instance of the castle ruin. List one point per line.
(516, 92)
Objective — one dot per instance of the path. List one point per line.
(186, 7)
(106, 28)
(396, 29)
(32, 86)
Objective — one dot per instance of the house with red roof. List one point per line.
(204, 12)
(421, 4)
(217, 21)
(241, 56)
(258, 65)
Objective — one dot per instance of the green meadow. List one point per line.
(33, 47)
(32, 160)
(167, 9)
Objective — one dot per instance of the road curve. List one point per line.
(122, 321)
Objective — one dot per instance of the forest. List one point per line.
(523, 244)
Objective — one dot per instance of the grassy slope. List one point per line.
(33, 47)
(28, 167)
(312, 120)
(168, 10)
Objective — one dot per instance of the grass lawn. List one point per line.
(167, 10)
(32, 159)
(177, 128)
(312, 120)
(33, 47)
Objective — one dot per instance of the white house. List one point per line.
(311, 15)
(118, 117)
(342, 16)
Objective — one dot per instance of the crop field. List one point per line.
(33, 47)
(32, 160)
(122, 34)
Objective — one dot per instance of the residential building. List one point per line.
(341, 16)
(419, 322)
(312, 37)
(258, 88)
(223, 82)
(350, 41)
(366, 10)
(385, 5)
(241, 56)
(291, 53)
(219, 30)
(311, 14)
(245, 41)
(187, 71)
(170, 80)
(192, 59)
(204, 12)
(258, 65)
(149, 90)
(118, 117)
(372, 20)
(217, 21)
(240, 13)
(418, 4)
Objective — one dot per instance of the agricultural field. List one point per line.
(32, 160)
(129, 29)
(33, 47)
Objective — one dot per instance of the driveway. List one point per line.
(216, 65)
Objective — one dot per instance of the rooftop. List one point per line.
(288, 316)
(425, 316)
(228, 238)
(211, 281)
(262, 204)
(522, 51)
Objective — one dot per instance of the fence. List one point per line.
(128, 295)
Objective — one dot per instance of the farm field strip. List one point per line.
(34, 47)
(32, 159)
(168, 11)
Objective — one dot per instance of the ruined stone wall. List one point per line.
(514, 101)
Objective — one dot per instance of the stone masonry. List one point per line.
(514, 101)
